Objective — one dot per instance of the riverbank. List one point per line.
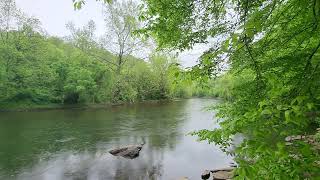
(25, 107)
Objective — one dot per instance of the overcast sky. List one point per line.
(54, 14)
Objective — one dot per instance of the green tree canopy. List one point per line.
(272, 48)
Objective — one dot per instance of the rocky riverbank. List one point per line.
(219, 174)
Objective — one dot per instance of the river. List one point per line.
(73, 144)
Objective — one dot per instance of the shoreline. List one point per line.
(46, 107)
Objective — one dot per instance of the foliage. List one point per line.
(36, 69)
(272, 50)
(77, 4)
(44, 70)
(121, 20)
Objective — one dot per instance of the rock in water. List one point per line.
(129, 152)
(205, 174)
(223, 173)
(183, 178)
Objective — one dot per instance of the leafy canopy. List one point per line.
(272, 50)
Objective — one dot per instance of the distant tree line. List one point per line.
(36, 68)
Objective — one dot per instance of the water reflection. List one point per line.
(74, 144)
(93, 166)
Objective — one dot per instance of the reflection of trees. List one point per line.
(160, 124)
(28, 136)
(146, 167)
(101, 165)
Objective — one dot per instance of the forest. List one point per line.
(38, 69)
(262, 62)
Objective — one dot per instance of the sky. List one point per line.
(54, 14)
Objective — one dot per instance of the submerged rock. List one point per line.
(129, 152)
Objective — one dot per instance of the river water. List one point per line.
(73, 144)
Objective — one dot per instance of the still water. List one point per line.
(73, 144)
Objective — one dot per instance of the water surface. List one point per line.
(74, 144)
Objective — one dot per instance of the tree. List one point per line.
(79, 3)
(84, 38)
(160, 65)
(8, 12)
(272, 48)
(19, 37)
(121, 23)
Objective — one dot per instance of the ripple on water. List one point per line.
(74, 144)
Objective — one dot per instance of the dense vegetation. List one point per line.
(271, 87)
(37, 69)
(272, 50)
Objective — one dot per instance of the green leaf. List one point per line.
(287, 116)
